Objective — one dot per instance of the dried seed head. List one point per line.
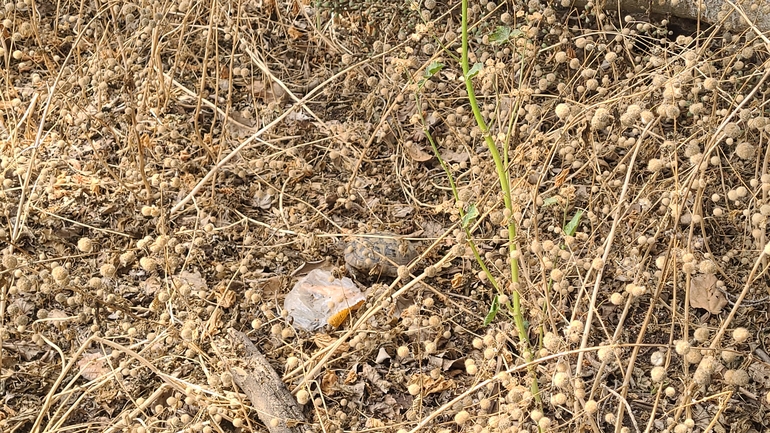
(107, 270)
(462, 417)
(559, 399)
(682, 347)
(741, 335)
(657, 358)
(561, 380)
(728, 355)
(148, 264)
(60, 274)
(701, 334)
(591, 407)
(10, 262)
(744, 150)
(616, 298)
(303, 396)
(636, 290)
(658, 374)
(402, 351)
(127, 258)
(737, 377)
(654, 165)
(601, 119)
(562, 111)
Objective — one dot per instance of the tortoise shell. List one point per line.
(378, 254)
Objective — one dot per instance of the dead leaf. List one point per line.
(351, 377)
(192, 279)
(387, 407)
(705, 294)
(297, 116)
(446, 364)
(270, 287)
(214, 324)
(382, 356)
(760, 373)
(306, 267)
(242, 120)
(451, 156)
(430, 385)
(329, 383)
(324, 340)
(263, 199)
(374, 423)
(28, 350)
(150, 286)
(225, 297)
(58, 318)
(268, 93)
(92, 366)
(401, 211)
(561, 177)
(432, 118)
(415, 152)
(294, 32)
(370, 373)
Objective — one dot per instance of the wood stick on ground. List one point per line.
(275, 405)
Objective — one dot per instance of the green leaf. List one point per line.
(503, 34)
(572, 225)
(550, 201)
(474, 70)
(471, 215)
(492, 311)
(433, 68)
(500, 35)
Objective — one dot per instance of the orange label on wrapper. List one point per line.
(338, 318)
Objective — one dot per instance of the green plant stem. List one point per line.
(456, 196)
(502, 175)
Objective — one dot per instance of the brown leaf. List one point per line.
(370, 373)
(269, 287)
(457, 280)
(325, 340)
(193, 279)
(351, 377)
(306, 267)
(59, 318)
(430, 385)
(415, 152)
(401, 211)
(225, 297)
(452, 156)
(92, 366)
(329, 383)
(150, 285)
(294, 32)
(705, 294)
(268, 92)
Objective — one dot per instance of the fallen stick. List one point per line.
(275, 405)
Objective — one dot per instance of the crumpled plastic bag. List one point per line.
(319, 299)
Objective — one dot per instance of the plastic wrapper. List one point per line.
(318, 299)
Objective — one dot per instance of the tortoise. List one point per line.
(377, 255)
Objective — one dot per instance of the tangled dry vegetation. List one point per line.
(171, 167)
